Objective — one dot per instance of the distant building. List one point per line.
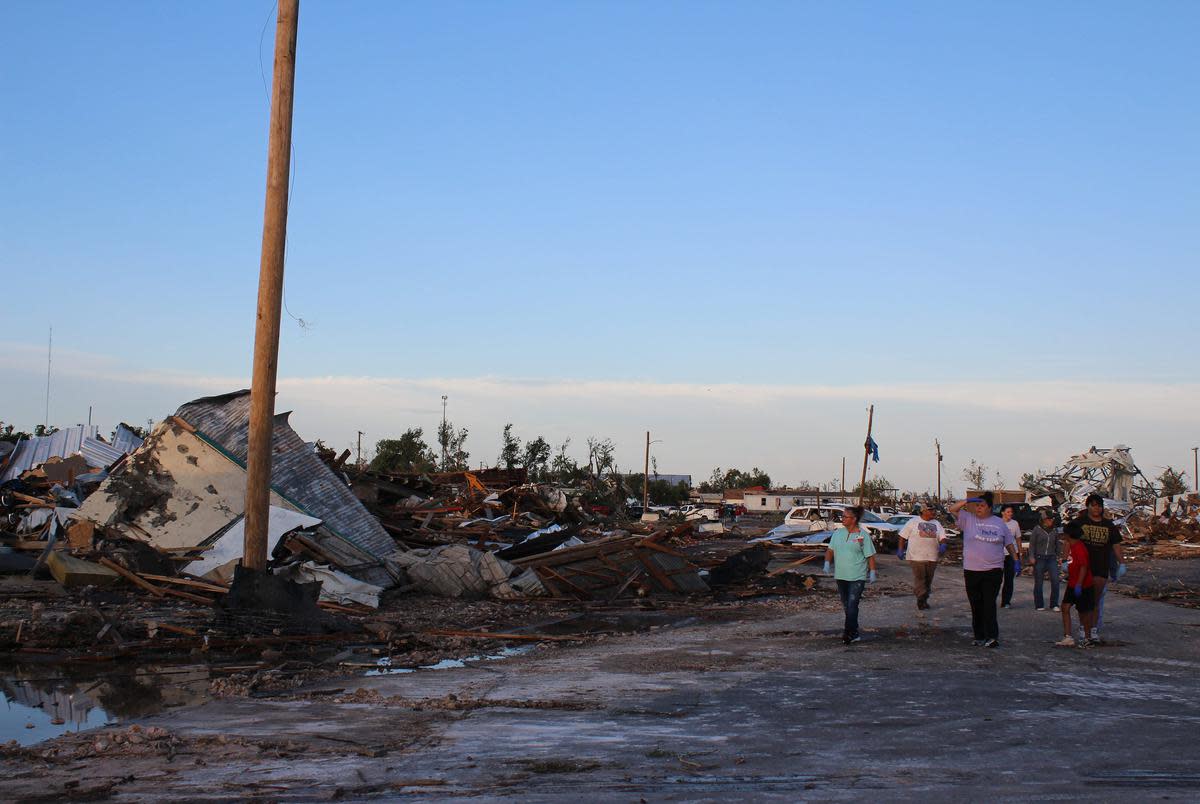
(780, 500)
(674, 480)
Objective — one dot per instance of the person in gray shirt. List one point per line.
(1045, 549)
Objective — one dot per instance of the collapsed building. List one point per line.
(1111, 473)
(167, 515)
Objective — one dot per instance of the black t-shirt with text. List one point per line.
(1098, 538)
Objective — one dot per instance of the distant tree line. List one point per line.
(541, 461)
(720, 480)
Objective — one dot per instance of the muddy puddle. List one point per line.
(42, 702)
(384, 667)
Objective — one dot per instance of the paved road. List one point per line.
(770, 708)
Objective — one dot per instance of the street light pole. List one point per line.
(443, 435)
(938, 447)
(646, 477)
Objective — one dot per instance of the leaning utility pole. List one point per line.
(646, 477)
(270, 289)
(938, 447)
(358, 461)
(862, 488)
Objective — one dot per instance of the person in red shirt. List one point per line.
(1081, 592)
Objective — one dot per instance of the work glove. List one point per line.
(1118, 572)
(1064, 568)
(1078, 590)
(941, 548)
(900, 553)
(872, 577)
(1016, 566)
(827, 568)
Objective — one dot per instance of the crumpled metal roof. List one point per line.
(37, 450)
(296, 471)
(82, 438)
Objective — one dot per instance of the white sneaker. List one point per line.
(1041, 608)
(1066, 642)
(1058, 608)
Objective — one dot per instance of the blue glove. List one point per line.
(1016, 566)
(872, 577)
(941, 548)
(900, 553)
(1078, 590)
(827, 568)
(1118, 572)
(1064, 568)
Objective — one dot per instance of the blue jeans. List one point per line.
(1043, 566)
(851, 592)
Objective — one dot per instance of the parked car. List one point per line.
(804, 520)
(1023, 513)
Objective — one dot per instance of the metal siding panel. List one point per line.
(126, 440)
(99, 454)
(36, 451)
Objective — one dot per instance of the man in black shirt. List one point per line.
(1102, 538)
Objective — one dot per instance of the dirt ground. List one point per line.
(758, 701)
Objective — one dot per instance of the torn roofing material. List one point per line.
(35, 451)
(296, 472)
(83, 439)
(125, 440)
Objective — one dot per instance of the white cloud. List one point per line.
(794, 431)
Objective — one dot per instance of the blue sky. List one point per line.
(632, 194)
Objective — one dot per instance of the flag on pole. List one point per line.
(873, 448)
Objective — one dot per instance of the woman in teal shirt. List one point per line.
(853, 555)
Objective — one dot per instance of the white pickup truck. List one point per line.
(692, 512)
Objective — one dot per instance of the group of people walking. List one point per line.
(1088, 547)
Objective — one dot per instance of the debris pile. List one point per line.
(1110, 473)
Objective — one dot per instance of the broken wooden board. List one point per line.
(73, 573)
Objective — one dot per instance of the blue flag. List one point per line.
(873, 448)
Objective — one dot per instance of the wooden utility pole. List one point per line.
(843, 478)
(358, 461)
(862, 488)
(646, 477)
(270, 289)
(1195, 467)
(938, 447)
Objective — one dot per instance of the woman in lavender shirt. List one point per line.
(986, 540)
